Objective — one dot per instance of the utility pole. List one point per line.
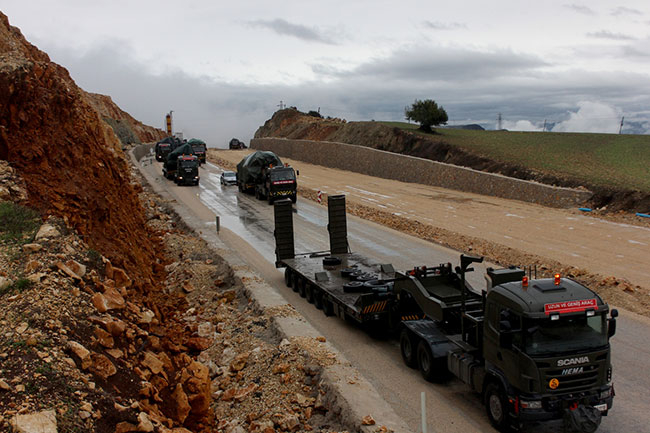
(621, 127)
(499, 122)
(281, 105)
(544, 128)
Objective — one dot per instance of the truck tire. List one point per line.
(287, 277)
(328, 307)
(353, 287)
(431, 369)
(309, 293)
(318, 298)
(495, 405)
(407, 348)
(302, 286)
(270, 199)
(295, 282)
(294, 198)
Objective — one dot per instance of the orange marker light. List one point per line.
(524, 282)
(557, 279)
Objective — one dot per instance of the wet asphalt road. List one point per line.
(248, 228)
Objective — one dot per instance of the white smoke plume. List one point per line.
(592, 116)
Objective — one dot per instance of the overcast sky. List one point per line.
(224, 67)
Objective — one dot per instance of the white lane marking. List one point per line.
(632, 241)
(514, 215)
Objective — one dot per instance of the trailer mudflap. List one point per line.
(429, 332)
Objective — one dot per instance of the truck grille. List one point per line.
(569, 381)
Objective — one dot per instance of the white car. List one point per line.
(228, 178)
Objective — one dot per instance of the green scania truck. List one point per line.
(537, 350)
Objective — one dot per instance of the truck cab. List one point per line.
(278, 182)
(547, 354)
(187, 170)
(162, 150)
(199, 149)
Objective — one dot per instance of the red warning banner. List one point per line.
(570, 306)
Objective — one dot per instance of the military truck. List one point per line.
(277, 183)
(199, 149)
(167, 145)
(236, 144)
(187, 170)
(537, 350)
(171, 162)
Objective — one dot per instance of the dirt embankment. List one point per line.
(290, 123)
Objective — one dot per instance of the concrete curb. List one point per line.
(350, 401)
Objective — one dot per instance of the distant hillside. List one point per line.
(615, 167)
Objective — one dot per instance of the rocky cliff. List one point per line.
(70, 159)
(129, 130)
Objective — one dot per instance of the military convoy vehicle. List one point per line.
(537, 350)
(263, 174)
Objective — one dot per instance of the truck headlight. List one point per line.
(605, 394)
(532, 404)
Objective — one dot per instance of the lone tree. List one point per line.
(427, 113)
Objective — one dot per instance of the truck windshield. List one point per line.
(198, 148)
(285, 174)
(543, 337)
(190, 163)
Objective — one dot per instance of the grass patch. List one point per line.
(20, 285)
(18, 224)
(609, 160)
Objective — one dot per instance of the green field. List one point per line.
(610, 160)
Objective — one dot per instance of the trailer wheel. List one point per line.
(301, 287)
(495, 405)
(328, 307)
(406, 344)
(318, 299)
(287, 277)
(426, 362)
(309, 293)
(295, 282)
(293, 198)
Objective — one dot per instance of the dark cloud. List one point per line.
(285, 28)
(440, 64)
(622, 10)
(218, 111)
(581, 9)
(605, 34)
(437, 25)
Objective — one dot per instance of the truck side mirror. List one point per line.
(611, 323)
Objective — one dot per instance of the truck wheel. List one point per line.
(295, 281)
(309, 293)
(287, 277)
(495, 405)
(425, 361)
(293, 198)
(318, 299)
(257, 194)
(270, 199)
(328, 308)
(406, 345)
(301, 287)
